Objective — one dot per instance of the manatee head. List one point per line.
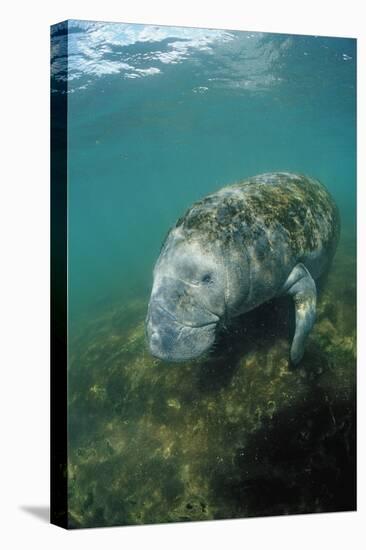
(192, 282)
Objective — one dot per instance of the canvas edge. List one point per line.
(58, 302)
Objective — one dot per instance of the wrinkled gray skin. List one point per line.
(234, 250)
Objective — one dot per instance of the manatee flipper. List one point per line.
(301, 286)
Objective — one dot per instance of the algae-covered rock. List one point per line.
(239, 433)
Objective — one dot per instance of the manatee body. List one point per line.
(235, 249)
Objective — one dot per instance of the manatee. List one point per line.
(235, 249)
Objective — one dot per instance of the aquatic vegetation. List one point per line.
(240, 433)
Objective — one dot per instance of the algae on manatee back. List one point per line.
(238, 434)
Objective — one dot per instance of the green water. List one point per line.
(159, 117)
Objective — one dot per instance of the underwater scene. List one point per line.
(157, 119)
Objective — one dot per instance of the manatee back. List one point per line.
(295, 206)
(298, 205)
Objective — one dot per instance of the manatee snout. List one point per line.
(170, 340)
(178, 326)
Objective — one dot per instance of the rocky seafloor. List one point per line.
(241, 433)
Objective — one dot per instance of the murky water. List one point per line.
(159, 117)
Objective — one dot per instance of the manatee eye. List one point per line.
(206, 278)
